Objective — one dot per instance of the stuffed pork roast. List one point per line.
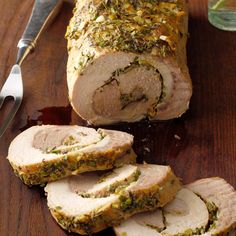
(88, 203)
(127, 60)
(205, 207)
(47, 153)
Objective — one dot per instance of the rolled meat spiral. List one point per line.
(127, 60)
(47, 153)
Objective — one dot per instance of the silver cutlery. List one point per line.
(43, 11)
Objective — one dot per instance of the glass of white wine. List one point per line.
(222, 14)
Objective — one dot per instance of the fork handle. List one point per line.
(43, 11)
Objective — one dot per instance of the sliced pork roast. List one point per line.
(46, 153)
(220, 198)
(88, 203)
(205, 207)
(127, 60)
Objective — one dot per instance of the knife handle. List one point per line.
(43, 11)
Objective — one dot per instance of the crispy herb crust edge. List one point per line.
(128, 204)
(47, 171)
(130, 26)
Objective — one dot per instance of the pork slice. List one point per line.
(46, 153)
(85, 205)
(205, 207)
(186, 212)
(221, 199)
(147, 223)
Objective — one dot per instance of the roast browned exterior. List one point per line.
(127, 60)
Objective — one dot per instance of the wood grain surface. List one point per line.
(207, 144)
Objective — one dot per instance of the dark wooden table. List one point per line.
(207, 144)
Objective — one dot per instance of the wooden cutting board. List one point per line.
(201, 143)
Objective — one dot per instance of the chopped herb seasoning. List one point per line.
(50, 170)
(56, 151)
(135, 96)
(69, 140)
(154, 227)
(192, 232)
(92, 163)
(130, 26)
(115, 187)
(85, 58)
(125, 202)
(212, 209)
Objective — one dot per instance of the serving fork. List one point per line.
(42, 13)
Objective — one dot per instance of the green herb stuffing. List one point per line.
(124, 234)
(58, 207)
(137, 94)
(69, 141)
(212, 209)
